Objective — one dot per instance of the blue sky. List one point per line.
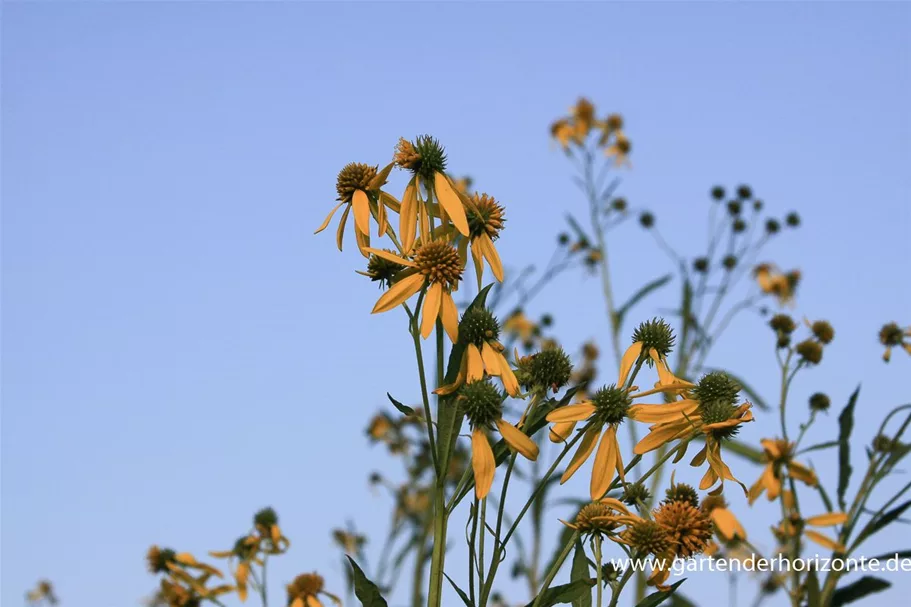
(180, 350)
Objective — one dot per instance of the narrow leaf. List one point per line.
(460, 592)
(902, 554)
(656, 598)
(403, 409)
(814, 595)
(580, 572)
(562, 594)
(845, 425)
(365, 590)
(887, 518)
(821, 446)
(858, 590)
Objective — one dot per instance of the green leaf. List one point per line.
(858, 590)
(461, 592)
(845, 425)
(821, 446)
(365, 590)
(580, 572)
(753, 395)
(403, 409)
(562, 594)
(814, 595)
(639, 296)
(887, 518)
(742, 449)
(449, 418)
(656, 598)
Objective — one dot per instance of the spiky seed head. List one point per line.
(354, 176)
(482, 403)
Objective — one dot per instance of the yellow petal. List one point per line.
(450, 202)
(381, 218)
(186, 558)
(482, 463)
(392, 257)
(379, 180)
(431, 309)
(572, 413)
(560, 431)
(312, 601)
(340, 231)
(450, 316)
(824, 541)
(298, 602)
(662, 413)
(475, 363)
(325, 223)
(827, 520)
(629, 359)
(727, 524)
(361, 205)
(399, 293)
(493, 258)
(491, 359)
(657, 437)
(605, 464)
(478, 259)
(408, 217)
(586, 446)
(518, 440)
(363, 241)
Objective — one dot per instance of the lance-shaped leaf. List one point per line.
(403, 409)
(460, 592)
(365, 590)
(845, 425)
(565, 593)
(638, 296)
(580, 572)
(656, 598)
(864, 586)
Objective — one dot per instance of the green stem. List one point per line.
(555, 568)
(597, 541)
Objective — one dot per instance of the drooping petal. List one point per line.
(510, 383)
(491, 359)
(475, 363)
(361, 205)
(659, 435)
(312, 601)
(518, 440)
(478, 260)
(392, 257)
(325, 223)
(828, 520)
(560, 431)
(586, 446)
(431, 309)
(824, 541)
(630, 357)
(298, 602)
(340, 231)
(660, 413)
(482, 463)
(605, 464)
(408, 217)
(802, 473)
(363, 242)
(572, 413)
(727, 524)
(449, 314)
(399, 293)
(450, 202)
(492, 256)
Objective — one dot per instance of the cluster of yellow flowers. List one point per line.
(575, 129)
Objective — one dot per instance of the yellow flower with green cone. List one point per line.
(305, 590)
(479, 332)
(482, 404)
(437, 267)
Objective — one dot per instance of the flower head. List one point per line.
(359, 187)
(478, 332)
(893, 336)
(305, 590)
(482, 404)
(779, 456)
(486, 219)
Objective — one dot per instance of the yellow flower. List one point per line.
(426, 159)
(599, 516)
(436, 265)
(708, 408)
(482, 404)
(605, 412)
(479, 331)
(43, 591)
(563, 132)
(689, 528)
(892, 336)
(358, 186)
(270, 534)
(485, 222)
(795, 525)
(773, 282)
(583, 115)
(619, 150)
(779, 453)
(304, 591)
(726, 524)
(245, 551)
